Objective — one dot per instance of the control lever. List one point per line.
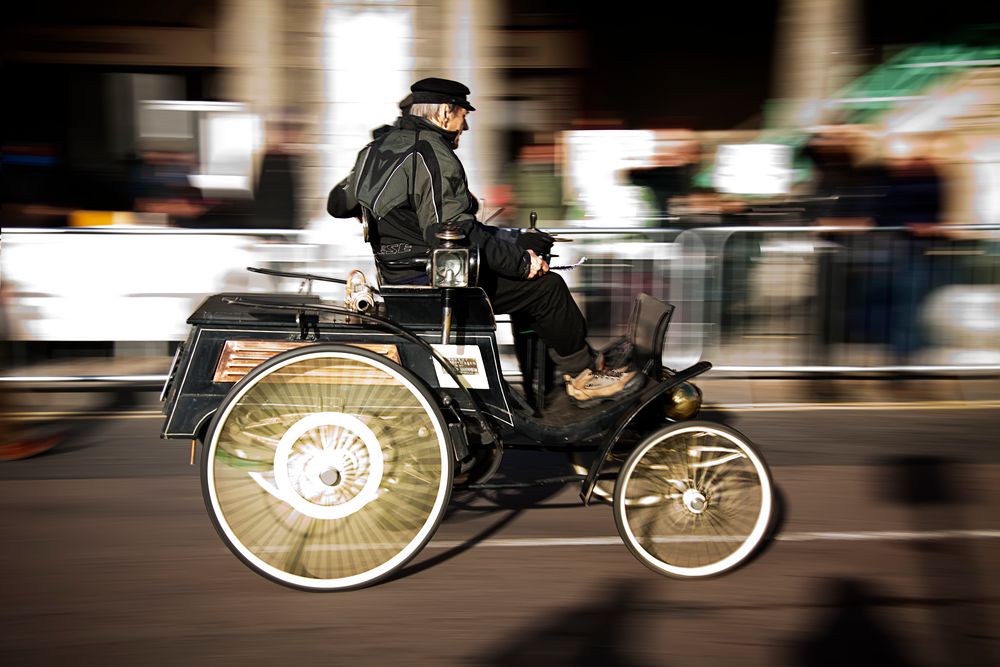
(533, 224)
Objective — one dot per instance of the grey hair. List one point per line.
(431, 110)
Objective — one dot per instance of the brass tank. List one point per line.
(683, 402)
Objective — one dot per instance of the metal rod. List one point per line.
(445, 316)
(124, 379)
(565, 479)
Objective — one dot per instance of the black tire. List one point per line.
(327, 468)
(694, 500)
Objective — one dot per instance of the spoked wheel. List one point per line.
(693, 500)
(327, 468)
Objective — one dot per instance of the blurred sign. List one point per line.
(753, 169)
(597, 166)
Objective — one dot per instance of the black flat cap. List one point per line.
(437, 91)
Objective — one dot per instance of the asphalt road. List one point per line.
(885, 556)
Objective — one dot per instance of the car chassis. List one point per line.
(334, 433)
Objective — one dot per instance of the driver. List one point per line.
(410, 181)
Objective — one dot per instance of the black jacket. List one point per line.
(410, 181)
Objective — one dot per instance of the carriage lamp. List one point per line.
(450, 267)
(453, 262)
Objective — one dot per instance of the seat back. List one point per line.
(418, 307)
(647, 331)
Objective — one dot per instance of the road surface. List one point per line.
(886, 554)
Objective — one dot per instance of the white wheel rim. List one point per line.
(370, 440)
(749, 542)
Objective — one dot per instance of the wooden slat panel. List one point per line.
(239, 357)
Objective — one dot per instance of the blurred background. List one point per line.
(815, 184)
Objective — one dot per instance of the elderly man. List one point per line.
(410, 181)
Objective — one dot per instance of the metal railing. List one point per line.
(751, 299)
(793, 299)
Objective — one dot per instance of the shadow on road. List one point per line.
(448, 554)
(469, 505)
(519, 467)
(931, 488)
(597, 633)
(850, 630)
(951, 588)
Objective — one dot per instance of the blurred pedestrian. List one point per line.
(536, 181)
(675, 163)
(912, 201)
(276, 194)
(853, 266)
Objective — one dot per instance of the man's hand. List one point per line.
(538, 266)
(538, 242)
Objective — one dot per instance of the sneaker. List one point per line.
(608, 384)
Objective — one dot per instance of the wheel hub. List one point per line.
(694, 501)
(328, 465)
(330, 477)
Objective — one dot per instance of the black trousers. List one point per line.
(545, 303)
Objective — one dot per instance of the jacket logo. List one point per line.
(394, 249)
(456, 182)
(384, 160)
